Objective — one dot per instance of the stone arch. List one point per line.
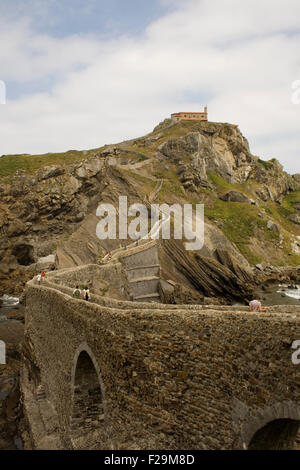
(274, 427)
(88, 420)
(279, 434)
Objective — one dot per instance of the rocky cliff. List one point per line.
(48, 203)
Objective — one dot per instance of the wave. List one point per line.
(293, 293)
(8, 301)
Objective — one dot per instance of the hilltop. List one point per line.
(48, 204)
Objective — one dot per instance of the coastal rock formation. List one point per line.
(50, 210)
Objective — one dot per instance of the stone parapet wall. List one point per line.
(143, 286)
(173, 378)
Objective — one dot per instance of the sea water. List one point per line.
(292, 293)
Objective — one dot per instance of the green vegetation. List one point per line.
(291, 199)
(222, 186)
(9, 164)
(267, 164)
(171, 188)
(240, 223)
(279, 213)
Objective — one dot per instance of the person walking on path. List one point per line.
(77, 292)
(86, 293)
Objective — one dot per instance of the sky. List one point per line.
(83, 73)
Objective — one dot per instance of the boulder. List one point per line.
(272, 226)
(236, 196)
(259, 267)
(45, 263)
(49, 172)
(294, 218)
(89, 168)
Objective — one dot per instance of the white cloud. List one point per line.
(240, 57)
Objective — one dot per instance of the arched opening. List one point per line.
(87, 421)
(24, 254)
(280, 434)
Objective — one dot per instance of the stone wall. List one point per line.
(170, 378)
(97, 278)
(142, 257)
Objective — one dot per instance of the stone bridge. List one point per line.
(116, 374)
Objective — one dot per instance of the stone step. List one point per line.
(154, 296)
(40, 393)
(141, 279)
(144, 266)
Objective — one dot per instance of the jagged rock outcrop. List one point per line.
(242, 272)
(236, 196)
(207, 275)
(222, 149)
(38, 210)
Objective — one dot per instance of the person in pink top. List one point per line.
(255, 306)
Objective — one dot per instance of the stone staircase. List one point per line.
(140, 259)
(145, 289)
(143, 274)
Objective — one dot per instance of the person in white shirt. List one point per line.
(86, 293)
(77, 292)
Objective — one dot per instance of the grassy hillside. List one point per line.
(9, 164)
